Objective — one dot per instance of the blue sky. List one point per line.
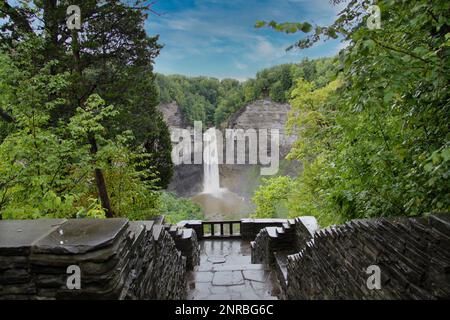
(217, 38)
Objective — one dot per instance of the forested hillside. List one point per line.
(213, 101)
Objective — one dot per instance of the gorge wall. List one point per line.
(187, 180)
(260, 114)
(240, 179)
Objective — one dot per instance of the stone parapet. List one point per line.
(117, 259)
(186, 242)
(271, 240)
(412, 254)
(251, 227)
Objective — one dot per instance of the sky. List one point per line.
(217, 38)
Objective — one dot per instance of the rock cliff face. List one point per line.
(261, 114)
(264, 114)
(241, 179)
(187, 179)
(172, 115)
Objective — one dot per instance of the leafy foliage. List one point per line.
(178, 209)
(213, 101)
(47, 171)
(271, 194)
(79, 132)
(111, 56)
(375, 141)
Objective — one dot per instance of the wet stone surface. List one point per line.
(81, 235)
(18, 236)
(226, 273)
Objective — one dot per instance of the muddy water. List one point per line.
(222, 205)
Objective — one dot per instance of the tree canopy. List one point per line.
(375, 140)
(80, 130)
(213, 101)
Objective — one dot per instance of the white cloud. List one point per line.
(266, 50)
(240, 66)
(217, 37)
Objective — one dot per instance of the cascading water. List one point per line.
(211, 179)
(217, 203)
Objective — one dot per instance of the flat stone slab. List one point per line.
(231, 267)
(272, 231)
(234, 279)
(137, 230)
(255, 275)
(81, 235)
(310, 223)
(203, 276)
(187, 233)
(219, 289)
(251, 220)
(250, 295)
(18, 236)
(217, 259)
(228, 278)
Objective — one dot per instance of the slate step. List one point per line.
(232, 282)
(231, 267)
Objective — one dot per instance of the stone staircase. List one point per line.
(274, 240)
(185, 242)
(226, 273)
(273, 247)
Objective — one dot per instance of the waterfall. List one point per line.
(211, 179)
(217, 203)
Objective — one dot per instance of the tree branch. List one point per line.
(400, 51)
(5, 116)
(17, 16)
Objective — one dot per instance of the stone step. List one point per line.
(280, 230)
(231, 267)
(232, 282)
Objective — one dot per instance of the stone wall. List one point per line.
(118, 259)
(413, 256)
(186, 242)
(305, 228)
(260, 248)
(273, 240)
(251, 227)
(169, 276)
(196, 225)
(285, 238)
(273, 245)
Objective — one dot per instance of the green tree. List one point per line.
(113, 58)
(178, 209)
(379, 144)
(271, 196)
(47, 171)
